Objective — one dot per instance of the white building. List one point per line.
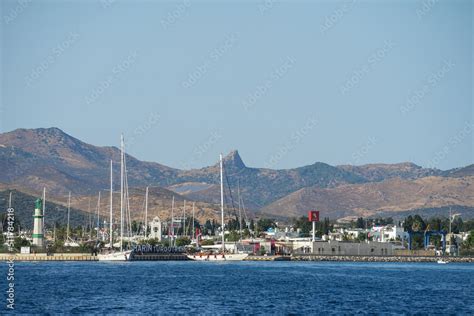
(155, 229)
(388, 233)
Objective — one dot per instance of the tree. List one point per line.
(418, 223)
(182, 241)
(303, 224)
(264, 224)
(233, 224)
(233, 236)
(207, 242)
(134, 226)
(252, 225)
(20, 242)
(362, 237)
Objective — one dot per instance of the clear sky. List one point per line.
(286, 83)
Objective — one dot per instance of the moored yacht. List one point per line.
(117, 255)
(222, 255)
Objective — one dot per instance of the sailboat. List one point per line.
(69, 242)
(117, 255)
(222, 256)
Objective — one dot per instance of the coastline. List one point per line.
(298, 257)
(311, 257)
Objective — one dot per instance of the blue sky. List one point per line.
(285, 83)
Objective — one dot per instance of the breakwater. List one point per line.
(312, 257)
(268, 258)
(180, 257)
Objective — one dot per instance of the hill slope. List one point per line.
(31, 159)
(388, 197)
(49, 157)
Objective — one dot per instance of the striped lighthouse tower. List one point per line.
(38, 235)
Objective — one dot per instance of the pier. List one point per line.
(183, 257)
(160, 257)
(312, 257)
(268, 258)
(45, 257)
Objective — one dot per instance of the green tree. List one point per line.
(362, 237)
(183, 241)
(20, 242)
(207, 242)
(303, 224)
(264, 224)
(233, 236)
(252, 225)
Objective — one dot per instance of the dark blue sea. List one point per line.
(245, 288)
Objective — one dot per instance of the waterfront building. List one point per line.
(388, 233)
(346, 248)
(155, 229)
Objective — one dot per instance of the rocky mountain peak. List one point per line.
(233, 161)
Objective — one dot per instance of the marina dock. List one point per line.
(312, 257)
(44, 257)
(268, 258)
(182, 257)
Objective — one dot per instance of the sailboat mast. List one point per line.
(68, 214)
(146, 212)
(44, 206)
(193, 222)
(184, 219)
(240, 209)
(121, 192)
(172, 223)
(111, 200)
(98, 216)
(222, 204)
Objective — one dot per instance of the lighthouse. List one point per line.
(38, 235)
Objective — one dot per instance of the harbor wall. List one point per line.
(338, 248)
(313, 257)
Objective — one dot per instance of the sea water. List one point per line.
(241, 288)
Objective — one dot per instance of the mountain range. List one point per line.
(31, 159)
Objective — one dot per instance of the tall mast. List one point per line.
(90, 219)
(68, 212)
(184, 218)
(222, 204)
(111, 198)
(146, 212)
(240, 210)
(44, 205)
(10, 200)
(98, 216)
(193, 223)
(90, 225)
(450, 223)
(121, 191)
(172, 222)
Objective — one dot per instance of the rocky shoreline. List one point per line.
(310, 257)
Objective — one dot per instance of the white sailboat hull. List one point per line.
(115, 256)
(218, 257)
